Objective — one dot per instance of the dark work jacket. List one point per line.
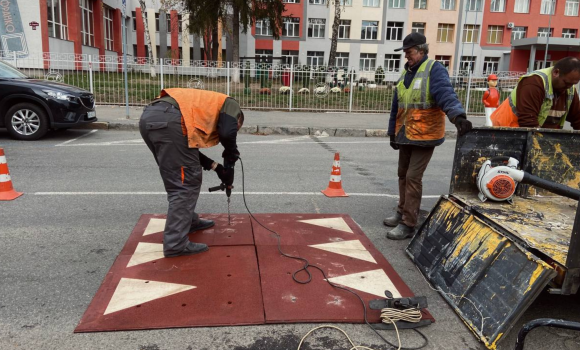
(441, 90)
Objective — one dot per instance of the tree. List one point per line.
(147, 37)
(335, 27)
(242, 14)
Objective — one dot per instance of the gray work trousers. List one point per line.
(179, 166)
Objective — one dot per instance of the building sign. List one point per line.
(12, 34)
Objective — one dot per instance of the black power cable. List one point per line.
(309, 279)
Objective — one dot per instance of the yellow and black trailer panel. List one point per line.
(487, 278)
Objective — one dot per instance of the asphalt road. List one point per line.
(84, 192)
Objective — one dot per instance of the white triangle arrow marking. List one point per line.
(333, 223)
(131, 292)
(373, 282)
(154, 226)
(146, 252)
(353, 249)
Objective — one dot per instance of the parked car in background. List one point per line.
(30, 107)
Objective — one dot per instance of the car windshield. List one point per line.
(9, 72)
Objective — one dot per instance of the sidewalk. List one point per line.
(279, 122)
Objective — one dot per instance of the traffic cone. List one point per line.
(335, 184)
(7, 192)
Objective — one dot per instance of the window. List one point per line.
(156, 22)
(291, 1)
(474, 5)
(397, 4)
(490, 65)
(371, 3)
(519, 33)
(369, 30)
(317, 2)
(344, 29)
(87, 29)
(497, 6)
(316, 27)
(495, 34)
(571, 8)
(180, 24)
(289, 57)
(263, 27)
(342, 59)
(418, 27)
(445, 33)
(368, 61)
(522, 6)
(569, 33)
(448, 4)
(134, 14)
(315, 58)
(395, 31)
(548, 7)
(420, 4)
(540, 64)
(445, 60)
(470, 33)
(545, 32)
(392, 63)
(467, 63)
(291, 26)
(108, 27)
(345, 2)
(168, 21)
(264, 55)
(57, 19)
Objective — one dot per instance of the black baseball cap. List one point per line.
(411, 40)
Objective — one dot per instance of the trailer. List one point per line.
(490, 260)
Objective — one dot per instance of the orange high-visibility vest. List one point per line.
(200, 110)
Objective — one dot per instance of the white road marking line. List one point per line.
(219, 193)
(273, 142)
(80, 137)
(292, 139)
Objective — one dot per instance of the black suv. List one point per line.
(29, 107)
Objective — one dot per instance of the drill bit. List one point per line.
(229, 217)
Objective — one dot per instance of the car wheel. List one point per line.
(26, 121)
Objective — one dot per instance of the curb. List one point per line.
(269, 130)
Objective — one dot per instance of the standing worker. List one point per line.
(175, 126)
(545, 98)
(423, 97)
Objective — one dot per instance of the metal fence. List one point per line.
(255, 86)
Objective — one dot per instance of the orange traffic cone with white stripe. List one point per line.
(335, 184)
(7, 192)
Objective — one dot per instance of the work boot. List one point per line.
(402, 231)
(202, 225)
(191, 249)
(393, 220)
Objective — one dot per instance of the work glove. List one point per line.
(394, 145)
(463, 125)
(227, 176)
(221, 173)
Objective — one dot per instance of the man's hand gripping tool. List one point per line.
(228, 190)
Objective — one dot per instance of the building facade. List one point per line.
(483, 36)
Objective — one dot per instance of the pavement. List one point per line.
(280, 122)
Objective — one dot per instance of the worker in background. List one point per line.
(175, 126)
(422, 98)
(545, 98)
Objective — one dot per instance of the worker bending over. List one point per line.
(175, 126)
(545, 98)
